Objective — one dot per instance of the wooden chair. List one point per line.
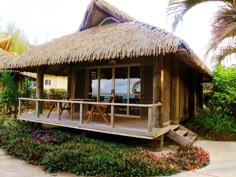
(101, 110)
(53, 105)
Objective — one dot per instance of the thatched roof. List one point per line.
(98, 10)
(5, 57)
(127, 39)
(5, 41)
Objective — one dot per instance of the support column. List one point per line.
(200, 94)
(87, 84)
(195, 94)
(156, 91)
(69, 75)
(39, 88)
(72, 83)
(166, 81)
(174, 105)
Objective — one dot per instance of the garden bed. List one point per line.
(221, 136)
(65, 151)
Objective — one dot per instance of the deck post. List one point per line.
(37, 108)
(69, 76)
(112, 117)
(150, 124)
(19, 107)
(81, 113)
(58, 110)
(158, 142)
(39, 88)
(158, 81)
(156, 92)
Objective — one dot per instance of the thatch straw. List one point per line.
(104, 10)
(111, 41)
(5, 41)
(5, 57)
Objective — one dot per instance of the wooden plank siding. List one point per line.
(146, 87)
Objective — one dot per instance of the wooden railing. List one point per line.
(82, 103)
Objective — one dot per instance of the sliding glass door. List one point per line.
(124, 82)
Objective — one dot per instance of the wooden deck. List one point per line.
(124, 126)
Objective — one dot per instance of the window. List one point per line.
(47, 82)
(124, 81)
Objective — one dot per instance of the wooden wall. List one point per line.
(146, 87)
(185, 92)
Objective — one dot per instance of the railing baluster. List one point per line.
(112, 117)
(37, 108)
(19, 108)
(81, 113)
(58, 110)
(150, 124)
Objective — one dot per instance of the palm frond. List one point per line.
(223, 53)
(178, 8)
(223, 27)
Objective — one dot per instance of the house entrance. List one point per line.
(124, 82)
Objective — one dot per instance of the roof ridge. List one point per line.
(98, 10)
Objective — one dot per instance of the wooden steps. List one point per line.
(182, 135)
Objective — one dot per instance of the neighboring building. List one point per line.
(52, 81)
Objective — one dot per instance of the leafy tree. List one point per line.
(223, 92)
(9, 94)
(19, 42)
(222, 42)
(19, 45)
(26, 89)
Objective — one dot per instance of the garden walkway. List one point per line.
(223, 160)
(223, 163)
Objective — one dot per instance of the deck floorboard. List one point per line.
(124, 126)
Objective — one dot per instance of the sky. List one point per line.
(43, 20)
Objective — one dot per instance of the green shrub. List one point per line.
(9, 94)
(7, 121)
(215, 120)
(58, 150)
(223, 92)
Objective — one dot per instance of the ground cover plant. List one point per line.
(217, 120)
(59, 150)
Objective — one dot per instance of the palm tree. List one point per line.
(222, 42)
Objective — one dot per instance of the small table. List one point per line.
(85, 107)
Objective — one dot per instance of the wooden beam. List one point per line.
(166, 80)
(39, 87)
(73, 80)
(174, 105)
(69, 76)
(156, 98)
(87, 83)
(158, 87)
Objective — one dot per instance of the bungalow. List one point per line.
(153, 75)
